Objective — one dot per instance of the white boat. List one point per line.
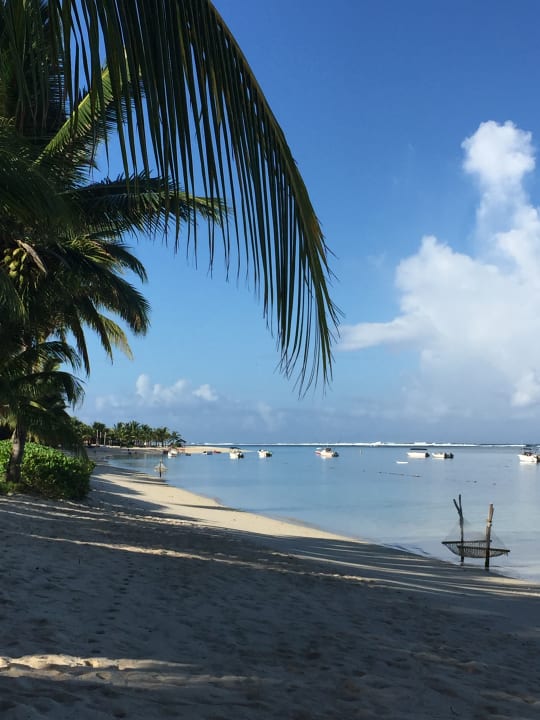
(443, 455)
(173, 452)
(264, 453)
(418, 453)
(235, 454)
(529, 454)
(326, 452)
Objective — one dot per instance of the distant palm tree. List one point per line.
(120, 433)
(175, 438)
(132, 432)
(99, 430)
(194, 111)
(83, 431)
(161, 434)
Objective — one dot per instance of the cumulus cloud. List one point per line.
(199, 412)
(474, 320)
(156, 394)
(205, 392)
(499, 155)
(149, 394)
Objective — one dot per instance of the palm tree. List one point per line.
(132, 432)
(64, 270)
(120, 434)
(71, 263)
(66, 261)
(176, 439)
(83, 431)
(161, 434)
(98, 429)
(35, 395)
(195, 110)
(145, 434)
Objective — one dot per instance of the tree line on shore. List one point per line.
(127, 434)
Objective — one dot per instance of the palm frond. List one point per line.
(143, 204)
(18, 172)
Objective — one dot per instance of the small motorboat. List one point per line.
(418, 453)
(264, 453)
(326, 452)
(529, 454)
(235, 454)
(442, 455)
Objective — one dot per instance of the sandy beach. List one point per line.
(146, 601)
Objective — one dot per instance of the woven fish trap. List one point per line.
(474, 548)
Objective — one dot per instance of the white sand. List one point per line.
(150, 602)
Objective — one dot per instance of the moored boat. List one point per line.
(326, 452)
(529, 454)
(418, 453)
(443, 455)
(264, 453)
(235, 454)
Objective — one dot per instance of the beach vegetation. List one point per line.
(184, 101)
(47, 472)
(35, 394)
(127, 434)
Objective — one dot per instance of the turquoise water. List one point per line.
(369, 494)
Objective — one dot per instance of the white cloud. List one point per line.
(205, 392)
(199, 412)
(474, 320)
(148, 395)
(158, 394)
(499, 155)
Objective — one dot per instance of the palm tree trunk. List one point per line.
(18, 443)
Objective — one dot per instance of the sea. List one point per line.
(378, 493)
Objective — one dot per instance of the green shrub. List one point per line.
(49, 473)
(5, 487)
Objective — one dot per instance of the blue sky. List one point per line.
(415, 126)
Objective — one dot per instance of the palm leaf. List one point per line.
(114, 206)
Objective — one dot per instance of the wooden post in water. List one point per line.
(460, 513)
(488, 535)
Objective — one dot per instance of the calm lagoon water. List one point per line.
(369, 493)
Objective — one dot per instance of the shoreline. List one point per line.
(148, 601)
(159, 498)
(198, 449)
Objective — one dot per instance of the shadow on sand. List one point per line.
(112, 612)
